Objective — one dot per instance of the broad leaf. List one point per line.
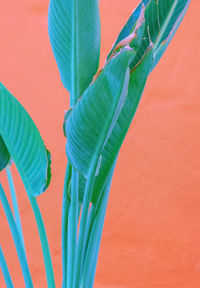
(74, 32)
(4, 154)
(91, 121)
(113, 142)
(162, 19)
(24, 144)
(136, 85)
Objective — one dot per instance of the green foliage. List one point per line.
(102, 108)
(24, 143)
(26, 148)
(91, 122)
(162, 19)
(74, 32)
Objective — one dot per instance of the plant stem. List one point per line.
(92, 252)
(5, 270)
(15, 204)
(72, 228)
(89, 228)
(83, 225)
(94, 266)
(17, 239)
(44, 242)
(65, 209)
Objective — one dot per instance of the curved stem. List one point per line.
(44, 242)
(17, 239)
(5, 270)
(65, 210)
(15, 204)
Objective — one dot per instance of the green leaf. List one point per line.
(164, 44)
(24, 144)
(136, 86)
(91, 121)
(4, 154)
(89, 117)
(162, 19)
(74, 32)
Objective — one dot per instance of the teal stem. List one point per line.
(16, 239)
(95, 258)
(95, 236)
(5, 271)
(44, 242)
(65, 212)
(83, 225)
(72, 228)
(89, 227)
(15, 204)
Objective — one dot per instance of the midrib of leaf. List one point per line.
(73, 205)
(118, 106)
(164, 26)
(74, 63)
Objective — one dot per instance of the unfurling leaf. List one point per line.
(162, 19)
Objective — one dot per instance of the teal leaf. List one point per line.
(91, 121)
(81, 126)
(137, 83)
(109, 154)
(4, 154)
(24, 144)
(165, 42)
(74, 32)
(162, 19)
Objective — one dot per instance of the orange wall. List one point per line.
(152, 231)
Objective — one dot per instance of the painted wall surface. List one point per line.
(151, 236)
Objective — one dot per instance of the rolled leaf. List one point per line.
(24, 143)
(162, 19)
(74, 32)
(4, 154)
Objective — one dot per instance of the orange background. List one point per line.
(151, 236)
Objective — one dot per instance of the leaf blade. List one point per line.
(137, 83)
(74, 32)
(91, 120)
(162, 19)
(24, 143)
